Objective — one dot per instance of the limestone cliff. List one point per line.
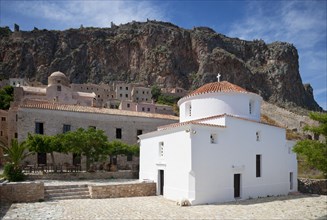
(157, 53)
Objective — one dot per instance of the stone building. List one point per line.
(3, 132)
(141, 94)
(58, 90)
(53, 118)
(103, 92)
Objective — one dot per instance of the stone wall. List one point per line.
(313, 186)
(123, 174)
(22, 192)
(122, 190)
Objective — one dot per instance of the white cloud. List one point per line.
(72, 13)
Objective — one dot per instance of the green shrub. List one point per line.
(12, 173)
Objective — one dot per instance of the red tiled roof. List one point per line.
(223, 86)
(199, 122)
(89, 109)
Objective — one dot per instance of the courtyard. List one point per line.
(301, 206)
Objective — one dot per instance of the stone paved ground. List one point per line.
(156, 207)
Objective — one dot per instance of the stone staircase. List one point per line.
(66, 192)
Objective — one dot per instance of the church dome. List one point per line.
(219, 98)
(58, 78)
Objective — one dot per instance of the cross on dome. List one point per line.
(218, 77)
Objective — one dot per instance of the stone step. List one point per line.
(66, 192)
(65, 186)
(69, 197)
(60, 194)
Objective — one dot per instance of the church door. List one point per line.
(41, 158)
(161, 182)
(237, 185)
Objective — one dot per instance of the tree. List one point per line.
(90, 143)
(6, 96)
(38, 143)
(315, 151)
(15, 154)
(156, 92)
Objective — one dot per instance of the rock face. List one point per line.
(157, 53)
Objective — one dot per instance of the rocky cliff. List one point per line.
(157, 53)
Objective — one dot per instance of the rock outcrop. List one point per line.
(157, 53)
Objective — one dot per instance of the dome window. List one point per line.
(188, 109)
(58, 88)
(251, 107)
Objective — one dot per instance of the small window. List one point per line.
(257, 134)
(16, 135)
(118, 133)
(148, 109)
(1, 133)
(65, 128)
(143, 109)
(120, 88)
(250, 107)
(58, 81)
(126, 88)
(3, 118)
(143, 92)
(98, 96)
(16, 117)
(128, 105)
(129, 157)
(291, 180)
(161, 149)
(258, 165)
(121, 95)
(39, 128)
(58, 88)
(213, 138)
(126, 95)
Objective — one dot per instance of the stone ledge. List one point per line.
(123, 174)
(312, 186)
(22, 192)
(122, 190)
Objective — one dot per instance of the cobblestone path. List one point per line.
(287, 207)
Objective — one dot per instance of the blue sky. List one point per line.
(300, 22)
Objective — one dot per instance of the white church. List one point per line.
(219, 151)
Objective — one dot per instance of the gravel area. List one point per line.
(156, 207)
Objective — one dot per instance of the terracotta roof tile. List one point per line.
(89, 109)
(200, 122)
(223, 86)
